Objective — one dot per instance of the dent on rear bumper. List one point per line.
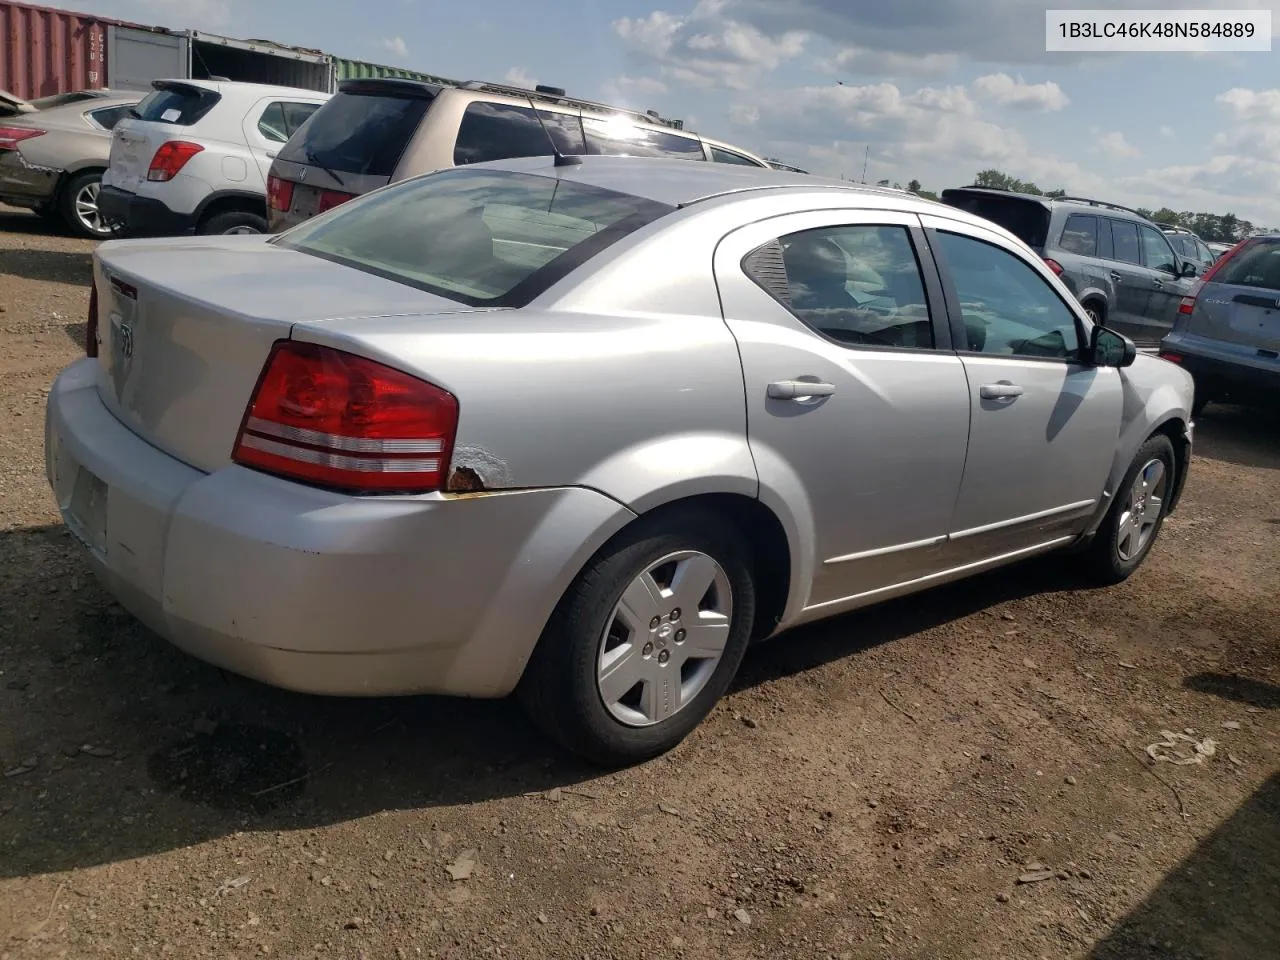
(320, 592)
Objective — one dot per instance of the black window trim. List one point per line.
(956, 315)
(536, 283)
(933, 291)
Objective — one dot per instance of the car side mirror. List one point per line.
(1189, 269)
(1110, 349)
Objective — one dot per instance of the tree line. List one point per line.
(1211, 227)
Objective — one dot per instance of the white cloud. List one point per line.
(1166, 132)
(1010, 92)
(1114, 145)
(1255, 105)
(396, 47)
(520, 77)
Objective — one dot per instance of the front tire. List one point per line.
(1136, 516)
(645, 641)
(233, 222)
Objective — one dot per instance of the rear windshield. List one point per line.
(1257, 265)
(180, 105)
(1027, 220)
(358, 133)
(480, 237)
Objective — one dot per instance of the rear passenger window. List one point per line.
(108, 117)
(719, 155)
(1124, 236)
(857, 285)
(500, 131)
(626, 139)
(1080, 235)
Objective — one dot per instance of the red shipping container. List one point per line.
(45, 51)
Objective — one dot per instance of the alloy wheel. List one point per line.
(1142, 512)
(87, 212)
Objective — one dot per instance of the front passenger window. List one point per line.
(1156, 252)
(1008, 308)
(856, 285)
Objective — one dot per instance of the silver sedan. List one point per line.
(583, 430)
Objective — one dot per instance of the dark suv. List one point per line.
(1120, 265)
(375, 132)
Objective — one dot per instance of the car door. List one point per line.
(268, 127)
(1168, 288)
(857, 410)
(1130, 277)
(1043, 422)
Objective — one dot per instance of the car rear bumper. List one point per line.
(142, 216)
(1221, 368)
(311, 590)
(23, 185)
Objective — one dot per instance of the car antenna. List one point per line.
(561, 159)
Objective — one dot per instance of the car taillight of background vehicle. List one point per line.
(1188, 304)
(1053, 265)
(170, 159)
(279, 193)
(333, 198)
(91, 324)
(332, 419)
(10, 137)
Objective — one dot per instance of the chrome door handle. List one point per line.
(799, 389)
(1000, 391)
(1159, 284)
(1115, 276)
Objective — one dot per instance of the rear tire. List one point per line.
(78, 206)
(1137, 513)
(594, 644)
(1096, 312)
(233, 221)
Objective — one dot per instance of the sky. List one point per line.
(930, 90)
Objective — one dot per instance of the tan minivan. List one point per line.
(373, 132)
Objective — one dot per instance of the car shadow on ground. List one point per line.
(52, 266)
(1247, 436)
(139, 749)
(1221, 903)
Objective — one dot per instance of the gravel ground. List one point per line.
(960, 775)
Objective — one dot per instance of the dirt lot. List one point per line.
(874, 787)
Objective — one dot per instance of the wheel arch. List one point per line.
(227, 201)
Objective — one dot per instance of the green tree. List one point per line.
(914, 186)
(1165, 215)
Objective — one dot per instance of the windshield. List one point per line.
(1257, 265)
(481, 237)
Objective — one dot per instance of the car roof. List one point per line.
(680, 183)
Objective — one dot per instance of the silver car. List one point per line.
(583, 431)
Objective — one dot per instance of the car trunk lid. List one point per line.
(167, 113)
(185, 327)
(1240, 302)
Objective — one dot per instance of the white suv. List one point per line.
(194, 156)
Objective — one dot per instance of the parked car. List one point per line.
(1190, 247)
(194, 157)
(53, 152)
(1218, 249)
(779, 165)
(1228, 330)
(411, 460)
(1119, 265)
(375, 132)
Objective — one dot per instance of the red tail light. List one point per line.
(1171, 357)
(10, 137)
(171, 158)
(332, 198)
(1054, 265)
(332, 419)
(279, 193)
(91, 325)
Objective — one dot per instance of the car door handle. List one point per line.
(797, 389)
(1000, 391)
(1159, 284)
(272, 154)
(1115, 276)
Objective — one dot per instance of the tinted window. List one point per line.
(473, 235)
(857, 285)
(728, 156)
(1257, 265)
(358, 133)
(1008, 308)
(499, 131)
(108, 117)
(1124, 236)
(1156, 252)
(623, 138)
(1028, 220)
(280, 120)
(1205, 254)
(1080, 235)
(178, 104)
